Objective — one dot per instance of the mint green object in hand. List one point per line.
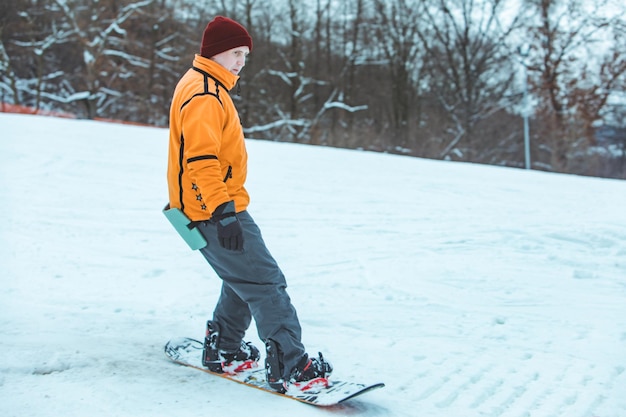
(184, 227)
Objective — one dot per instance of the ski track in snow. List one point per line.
(469, 290)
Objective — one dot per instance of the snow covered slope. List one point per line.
(469, 290)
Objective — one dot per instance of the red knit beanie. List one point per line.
(222, 34)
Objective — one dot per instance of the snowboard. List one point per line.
(188, 352)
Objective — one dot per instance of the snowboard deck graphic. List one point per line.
(188, 352)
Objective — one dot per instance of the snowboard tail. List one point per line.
(188, 352)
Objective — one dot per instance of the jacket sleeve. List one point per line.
(203, 126)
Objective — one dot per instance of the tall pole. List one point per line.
(526, 128)
(524, 51)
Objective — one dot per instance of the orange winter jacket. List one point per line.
(207, 155)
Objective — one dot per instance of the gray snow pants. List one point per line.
(252, 286)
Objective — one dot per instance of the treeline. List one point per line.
(440, 79)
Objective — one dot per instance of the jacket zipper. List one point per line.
(229, 173)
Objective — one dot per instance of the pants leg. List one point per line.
(253, 285)
(234, 317)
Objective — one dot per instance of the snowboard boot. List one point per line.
(220, 361)
(210, 354)
(274, 367)
(309, 373)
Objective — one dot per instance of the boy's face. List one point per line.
(233, 59)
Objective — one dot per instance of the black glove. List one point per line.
(229, 232)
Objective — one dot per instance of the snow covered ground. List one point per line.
(469, 290)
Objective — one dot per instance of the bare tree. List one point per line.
(158, 37)
(572, 86)
(397, 34)
(470, 68)
(421, 77)
(8, 78)
(30, 58)
(97, 30)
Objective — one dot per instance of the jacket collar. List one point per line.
(225, 77)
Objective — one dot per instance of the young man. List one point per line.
(206, 175)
